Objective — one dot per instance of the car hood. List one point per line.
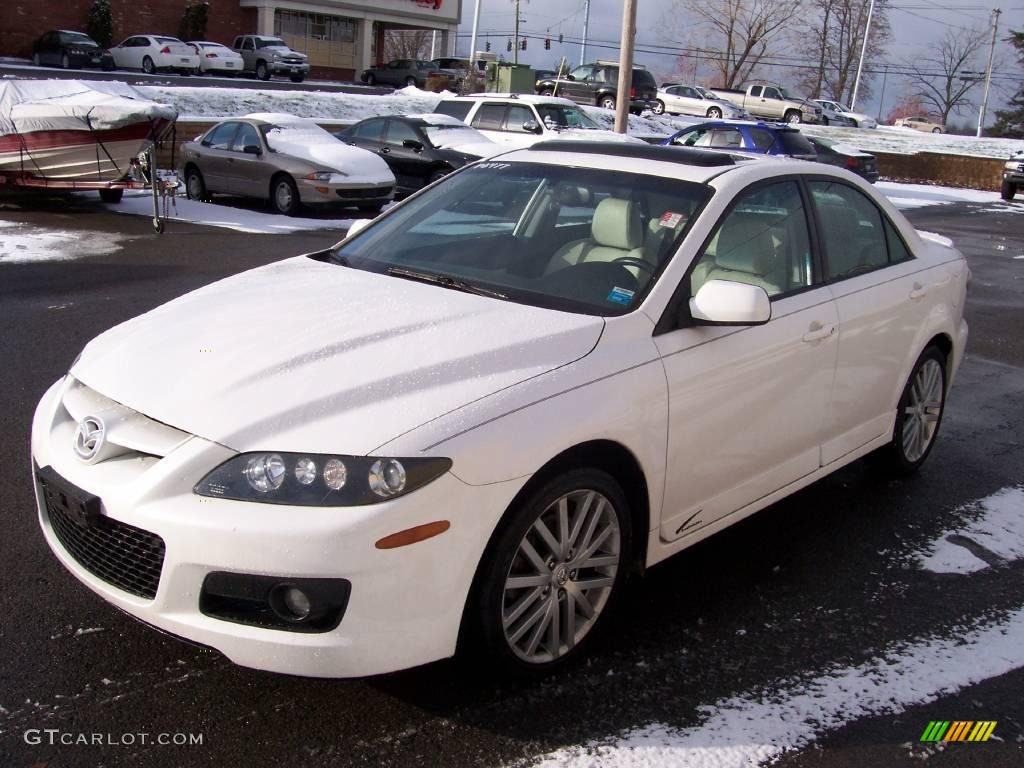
(474, 149)
(303, 355)
(326, 151)
(283, 50)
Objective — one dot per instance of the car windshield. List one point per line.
(270, 42)
(286, 135)
(453, 135)
(574, 239)
(795, 143)
(555, 117)
(705, 92)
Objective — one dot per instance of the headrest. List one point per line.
(745, 243)
(617, 224)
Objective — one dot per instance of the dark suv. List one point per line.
(745, 136)
(598, 84)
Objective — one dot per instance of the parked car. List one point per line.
(420, 149)
(518, 120)
(268, 56)
(771, 101)
(745, 136)
(598, 84)
(66, 49)
(920, 123)
(217, 59)
(677, 99)
(858, 119)
(153, 53)
(1013, 175)
(831, 116)
(401, 73)
(845, 156)
(468, 424)
(289, 160)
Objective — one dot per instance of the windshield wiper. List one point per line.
(445, 281)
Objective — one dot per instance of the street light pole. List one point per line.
(863, 51)
(988, 71)
(472, 38)
(586, 23)
(625, 65)
(515, 45)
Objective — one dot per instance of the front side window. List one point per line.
(489, 117)
(399, 132)
(556, 116)
(582, 73)
(518, 116)
(247, 136)
(220, 136)
(699, 137)
(762, 241)
(371, 130)
(851, 230)
(726, 138)
(579, 240)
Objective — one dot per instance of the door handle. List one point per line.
(918, 291)
(819, 331)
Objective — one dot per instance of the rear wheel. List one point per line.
(147, 66)
(550, 576)
(410, 82)
(370, 79)
(608, 102)
(111, 195)
(284, 195)
(794, 116)
(936, 130)
(715, 113)
(547, 92)
(659, 107)
(65, 61)
(262, 71)
(36, 61)
(918, 416)
(1008, 190)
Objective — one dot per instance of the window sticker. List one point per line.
(670, 219)
(620, 295)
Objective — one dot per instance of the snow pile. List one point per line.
(998, 528)
(906, 196)
(764, 724)
(23, 243)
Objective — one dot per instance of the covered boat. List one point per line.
(71, 131)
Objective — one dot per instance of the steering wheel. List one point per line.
(632, 261)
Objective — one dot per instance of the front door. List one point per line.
(247, 174)
(747, 404)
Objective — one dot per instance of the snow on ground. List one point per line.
(761, 725)
(229, 217)
(906, 196)
(997, 526)
(906, 141)
(22, 243)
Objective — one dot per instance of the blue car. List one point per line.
(744, 136)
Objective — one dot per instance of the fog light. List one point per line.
(387, 477)
(290, 603)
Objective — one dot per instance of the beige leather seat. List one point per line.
(745, 250)
(616, 231)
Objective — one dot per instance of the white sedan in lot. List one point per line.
(217, 59)
(152, 53)
(473, 418)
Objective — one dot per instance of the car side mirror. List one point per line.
(532, 126)
(252, 149)
(725, 302)
(415, 146)
(569, 77)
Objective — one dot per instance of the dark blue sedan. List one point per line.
(743, 136)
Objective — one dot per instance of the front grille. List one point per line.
(123, 555)
(364, 194)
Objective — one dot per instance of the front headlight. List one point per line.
(277, 57)
(318, 480)
(1011, 165)
(331, 176)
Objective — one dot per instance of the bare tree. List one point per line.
(836, 30)
(736, 34)
(406, 44)
(936, 78)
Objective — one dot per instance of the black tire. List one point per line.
(485, 637)
(936, 130)
(111, 195)
(284, 195)
(659, 107)
(1008, 190)
(36, 60)
(608, 102)
(195, 187)
(147, 66)
(370, 79)
(794, 116)
(262, 71)
(714, 113)
(636, 111)
(824, 120)
(547, 92)
(410, 81)
(65, 61)
(893, 459)
(297, 78)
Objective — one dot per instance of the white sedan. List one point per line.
(844, 115)
(152, 53)
(694, 100)
(217, 59)
(472, 419)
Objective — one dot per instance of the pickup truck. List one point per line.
(772, 102)
(264, 56)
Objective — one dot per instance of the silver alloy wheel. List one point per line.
(659, 107)
(561, 576)
(715, 113)
(194, 186)
(283, 196)
(922, 412)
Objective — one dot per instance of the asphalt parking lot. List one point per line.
(821, 580)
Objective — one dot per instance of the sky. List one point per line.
(917, 26)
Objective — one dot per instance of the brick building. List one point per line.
(341, 37)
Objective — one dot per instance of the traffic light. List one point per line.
(523, 44)
(559, 38)
(487, 45)
(547, 43)
(509, 48)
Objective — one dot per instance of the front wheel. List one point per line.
(794, 116)
(262, 71)
(659, 107)
(936, 130)
(371, 80)
(147, 66)
(552, 572)
(918, 416)
(111, 195)
(65, 61)
(715, 113)
(195, 187)
(547, 92)
(36, 61)
(284, 195)
(410, 82)
(608, 102)
(1008, 190)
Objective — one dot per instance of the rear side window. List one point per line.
(852, 230)
(644, 78)
(795, 143)
(452, 108)
(763, 140)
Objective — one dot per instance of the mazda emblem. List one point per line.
(89, 438)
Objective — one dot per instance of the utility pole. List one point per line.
(625, 65)
(988, 72)
(881, 99)
(586, 23)
(472, 38)
(515, 44)
(863, 51)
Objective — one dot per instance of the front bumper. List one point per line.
(86, 61)
(313, 192)
(284, 68)
(405, 605)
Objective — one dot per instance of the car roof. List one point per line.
(527, 98)
(732, 123)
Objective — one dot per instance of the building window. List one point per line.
(314, 26)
